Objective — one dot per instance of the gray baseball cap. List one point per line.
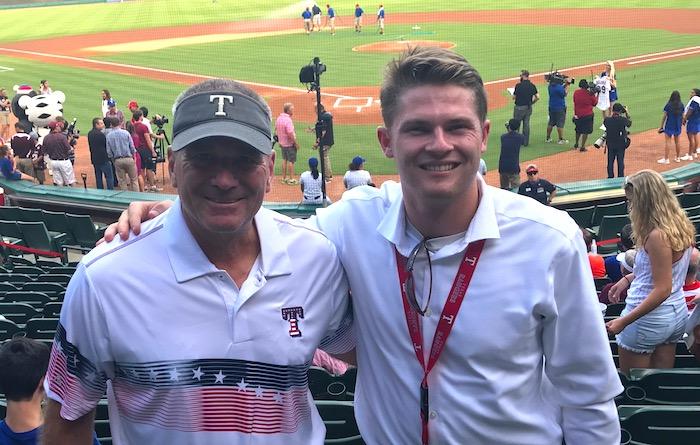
(225, 114)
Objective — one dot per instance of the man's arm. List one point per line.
(59, 431)
(536, 97)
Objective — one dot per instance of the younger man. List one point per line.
(509, 160)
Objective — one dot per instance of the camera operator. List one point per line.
(558, 89)
(525, 95)
(585, 99)
(616, 138)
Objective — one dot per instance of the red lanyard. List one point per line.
(447, 318)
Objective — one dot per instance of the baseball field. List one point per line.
(150, 50)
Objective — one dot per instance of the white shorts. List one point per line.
(381, 23)
(358, 20)
(62, 172)
(317, 19)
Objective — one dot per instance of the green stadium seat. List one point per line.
(18, 312)
(326, 386)
(600, 283)
(54, 278)
(659, 425)
(84, 230)
(8, 329)
(57, 222)
(663, 387)
(37, 237)
(48, 264)
(28, 270)
(11, 233)
(693, 212)
(609, 229)
(614, 309)
(582, 215)
(602, 210)
(104, 434)
(7, 287)
(9, 213)
(53, 290)
(43, 329)
(339, 418)
(65, 270)
(20, 261)
(15, 278)
(37, 299)
(52, 310)
(688, 200)
(29, 215)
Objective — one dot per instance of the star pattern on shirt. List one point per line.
(219, 377)
(152, 374)
(258, 392)
(75, 361)
(197, 374)
(173, 375)
(242, 385)
(90, 376)
(278, 397)
(58, 346)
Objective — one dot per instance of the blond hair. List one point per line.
(654, 206)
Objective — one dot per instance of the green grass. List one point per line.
(92, 18)
(276, 60)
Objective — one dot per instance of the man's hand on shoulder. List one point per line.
(130, 220)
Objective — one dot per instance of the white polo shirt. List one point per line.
(531, 306)
(191, 358)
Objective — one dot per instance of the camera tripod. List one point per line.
(161, 145)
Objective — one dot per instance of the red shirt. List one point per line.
(597, 265)
(584, 103)
(139, 135)
(691, 291)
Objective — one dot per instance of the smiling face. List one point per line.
(221, 183)
(437, 140)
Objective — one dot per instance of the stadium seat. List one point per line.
(582, 215)
(52, 310)
(339, 419)
(37, 299)
(7, 287)
(18, 312)
(60, 278)
(57, 222)
(609, 229)
(43, 329)
(326, 386)
(65, 270)
(693, 212)
(29, 215)
(37, 237)
(600, 283)
(53, 290)
(688, 200)
(15, 278)
(8, 329)
(659, 425)
(104, 434)
(9, 213)
(48, 264)
(663, 387)
(11, 233)
(602, 210)
(84, 230)
(28, 270)
(20, 261)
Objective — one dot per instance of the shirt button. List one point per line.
(433, 414)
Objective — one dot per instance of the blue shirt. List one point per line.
(7, 170)
(306, 14)
(557, 97)
(695, 107)
(358, 12)
(9, 437)
(380, 14)
(119, 144)
(509, 160)
(331, 12)
(673, 121)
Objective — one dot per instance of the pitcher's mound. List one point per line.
(398, 46)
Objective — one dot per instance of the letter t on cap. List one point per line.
(221, 98)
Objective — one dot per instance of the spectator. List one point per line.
(316, 19)
(584, 101)
(325, 143)
(71, 138)
(536, 188)
(525, 95)
(311, 184)
(121, 150)
(132, 106)
(57, 147)
(557, 110)
(625, 262)
(596, 261)
(26, 153)
(509, 159)
(284, 129)
(612, 264)
(380, 19)
(617, 140)
(330, 18)
(306, 16)
(44, 87)
(5, 108)
(144, 145)
(654, 317)
(106, 96)
(23, 364)
(691, 119)
(7, 166)
(691, 287)
(113, 111)
(358, 17)
(356, 174)
(671, 123)
(97, 142)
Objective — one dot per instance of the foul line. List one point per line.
(664, 57)
(159, 70)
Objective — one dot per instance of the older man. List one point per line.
(58, 148)
(511, 367)
(239, 309)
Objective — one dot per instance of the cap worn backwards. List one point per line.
(226, 114)
(357, 161)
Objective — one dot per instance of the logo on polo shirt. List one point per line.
(292, 315)
(220, 99)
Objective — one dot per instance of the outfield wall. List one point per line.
(16, 4)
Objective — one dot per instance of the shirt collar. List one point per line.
(484, 225)
(188, 261)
